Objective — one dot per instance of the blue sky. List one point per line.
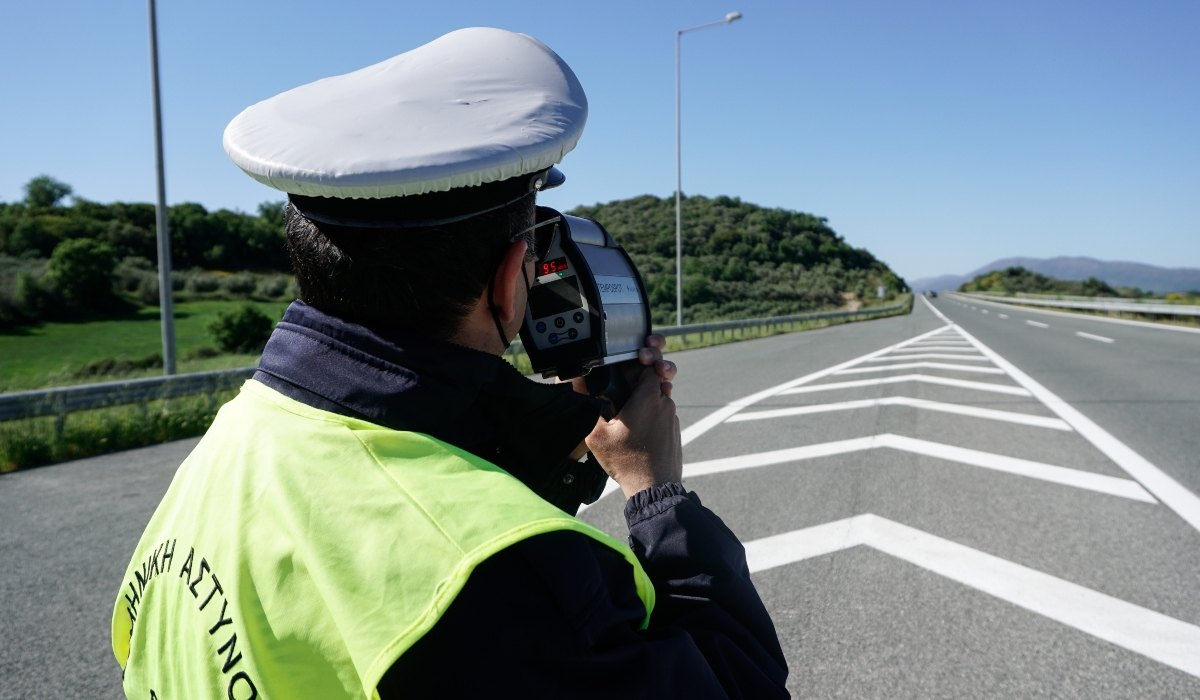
(939, 135)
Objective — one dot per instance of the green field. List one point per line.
(49, 354)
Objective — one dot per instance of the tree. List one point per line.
(44, 192)
(82, 271)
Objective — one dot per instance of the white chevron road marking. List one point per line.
(1140, 630)
(958, 409)
(929, 356)
(922, 365)
(923, 378)
(715, 418)
(939, 348)
(1100, 483)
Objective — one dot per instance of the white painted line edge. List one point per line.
(1089, 336)
(1037, 324)
(1173, 494)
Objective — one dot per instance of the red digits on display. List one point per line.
(551, 266)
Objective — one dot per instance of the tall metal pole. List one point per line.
(729, 18)
(678, 195)
(166, 306)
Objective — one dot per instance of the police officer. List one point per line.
(387, 508)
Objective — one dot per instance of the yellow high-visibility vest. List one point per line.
(299, 553)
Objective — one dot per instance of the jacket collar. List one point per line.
(470, 399)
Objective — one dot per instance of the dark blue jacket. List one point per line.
(557, 615)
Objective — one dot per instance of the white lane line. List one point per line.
(715, 418)
(937, 313)
(929, 356)
(1100, 483)
(1002, 315)
(984, 311)
(1104, 319)
(1036, 324)
(922, 365)
(958, 409)
(1140, 630)
(939, 348)
(1089, 336)
(1171, 492)
(926, 379)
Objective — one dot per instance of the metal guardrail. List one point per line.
(60, 401)
(67, 399)
(1120, 306)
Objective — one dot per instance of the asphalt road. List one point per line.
(1013, 516)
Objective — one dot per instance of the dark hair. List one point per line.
(420, 281)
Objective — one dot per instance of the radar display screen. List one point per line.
(554, 297)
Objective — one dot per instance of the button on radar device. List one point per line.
(588, 312)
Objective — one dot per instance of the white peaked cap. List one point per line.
(475, 106)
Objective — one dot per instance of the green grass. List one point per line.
(48, 354)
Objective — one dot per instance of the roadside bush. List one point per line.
(202, 282)
(147, 291)
(82, 271)
(241, 284)
(272, 287)
(31, 298)
(244, 329)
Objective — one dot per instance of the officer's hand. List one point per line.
(640, 446)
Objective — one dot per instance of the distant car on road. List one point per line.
(931, 294)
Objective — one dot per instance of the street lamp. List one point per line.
(729, 18)
(166, 309)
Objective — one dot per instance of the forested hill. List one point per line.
(740, 260)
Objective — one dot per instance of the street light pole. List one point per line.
(729, 18)
(166, 306)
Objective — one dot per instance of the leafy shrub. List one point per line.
(244, 329)
(31, 298)
(201, 282)
(241, 284)
(82, 270)
(272, 287)
(147, 291)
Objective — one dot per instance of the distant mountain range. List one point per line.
(1117, 274)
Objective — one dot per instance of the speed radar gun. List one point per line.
(588, 312)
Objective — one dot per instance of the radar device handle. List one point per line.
(611, 383)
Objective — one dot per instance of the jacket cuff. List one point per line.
(647, 503)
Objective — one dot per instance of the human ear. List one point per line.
(508, 276)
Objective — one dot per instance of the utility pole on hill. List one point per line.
(729, 18)
(166, 305)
